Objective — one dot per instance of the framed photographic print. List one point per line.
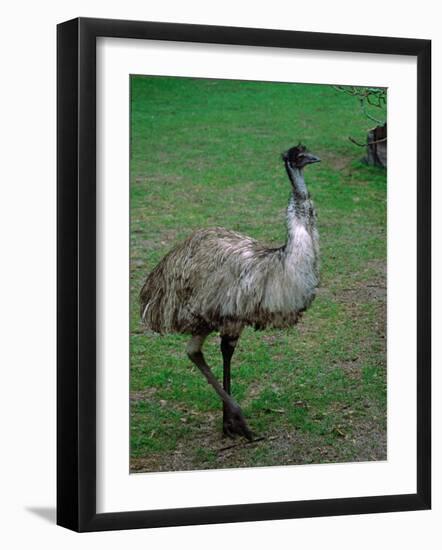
(243, 274)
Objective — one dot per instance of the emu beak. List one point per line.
(312, 159)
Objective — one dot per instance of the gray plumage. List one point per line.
(219, 280)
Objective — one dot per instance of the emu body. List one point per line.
(219, 280)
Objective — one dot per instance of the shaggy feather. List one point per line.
(220, 280)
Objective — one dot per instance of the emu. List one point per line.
(219, 280)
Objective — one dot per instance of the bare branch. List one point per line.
(374, 97)
(368, 143)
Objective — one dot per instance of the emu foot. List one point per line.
(234, 423)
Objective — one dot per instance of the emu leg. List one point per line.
(228, 344)
(237, 421)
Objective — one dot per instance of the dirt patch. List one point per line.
(363, 290)
(142, 395)
(340, 163)
(188, 455)
(271, 339)
(355, 441)
(362, 293)
(375, 288)
(353, 369)
(368, 435)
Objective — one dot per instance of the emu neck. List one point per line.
(298, 212)
(296, 176)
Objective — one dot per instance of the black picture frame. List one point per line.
(76, 274)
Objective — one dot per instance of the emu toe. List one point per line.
(234, 424)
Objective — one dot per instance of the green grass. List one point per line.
(205, 153)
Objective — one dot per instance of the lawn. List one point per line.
(207, 153)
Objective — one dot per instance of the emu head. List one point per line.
(298, 157)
